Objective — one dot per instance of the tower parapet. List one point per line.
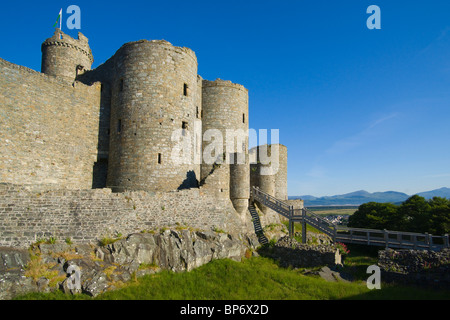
(65, 57)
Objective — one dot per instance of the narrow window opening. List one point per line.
(185, 89)
(196, 112)
(121, 85)
(201, 114)
(243, 118)
(79, 70)
(184, 126)
(119, 126)
(159, 158)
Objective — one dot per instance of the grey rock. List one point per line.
(95, 285)
(84, 250)
(13, 284)
(332, 276)
(11, 259)
(48, 249)
(42, 284)
(173, 250)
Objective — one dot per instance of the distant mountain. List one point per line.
(359, 197)
(442, 192)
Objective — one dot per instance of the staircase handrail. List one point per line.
(270, 201)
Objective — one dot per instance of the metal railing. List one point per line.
(386, 238)
(273, 203)
(392, 239)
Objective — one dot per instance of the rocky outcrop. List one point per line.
(176, 250)
(101, 268)
(12, 279)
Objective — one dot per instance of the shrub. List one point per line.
(343, 250)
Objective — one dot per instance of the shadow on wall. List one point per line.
(99, 173)
(190, 181)
(104, 75)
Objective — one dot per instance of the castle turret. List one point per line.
(65, 57)
(225, 109)
(281, 189)
(268, 170)
(154, 106)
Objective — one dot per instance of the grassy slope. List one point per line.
(257, 278)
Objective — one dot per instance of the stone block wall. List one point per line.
(415, 267)
(84, 216)
(289, 252)
(48, 129)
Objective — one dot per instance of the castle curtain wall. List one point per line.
(48, 129)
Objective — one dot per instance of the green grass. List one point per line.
(333, 211)
(298, 227)
(255, 278)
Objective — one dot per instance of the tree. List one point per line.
(374, 215)
(439, 216)
(416, 214)
(415, 211)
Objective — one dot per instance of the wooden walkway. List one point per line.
(384, 238)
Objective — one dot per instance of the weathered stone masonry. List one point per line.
(49, 129)
(70, 137)
(89, 215)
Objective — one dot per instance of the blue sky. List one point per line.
(357, 108)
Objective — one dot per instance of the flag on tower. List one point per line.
(58, 19)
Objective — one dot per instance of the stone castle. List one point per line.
(89, 152)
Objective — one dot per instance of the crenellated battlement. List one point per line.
(61, 39)
(65, 57)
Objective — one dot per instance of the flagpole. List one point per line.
(60, 20)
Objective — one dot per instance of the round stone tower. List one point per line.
(261, 174)
(281, 190)
(65, 57)
(268, 170)
(225, 111)
(154, 116)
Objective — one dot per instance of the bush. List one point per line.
(343, 250)
(416, 214)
